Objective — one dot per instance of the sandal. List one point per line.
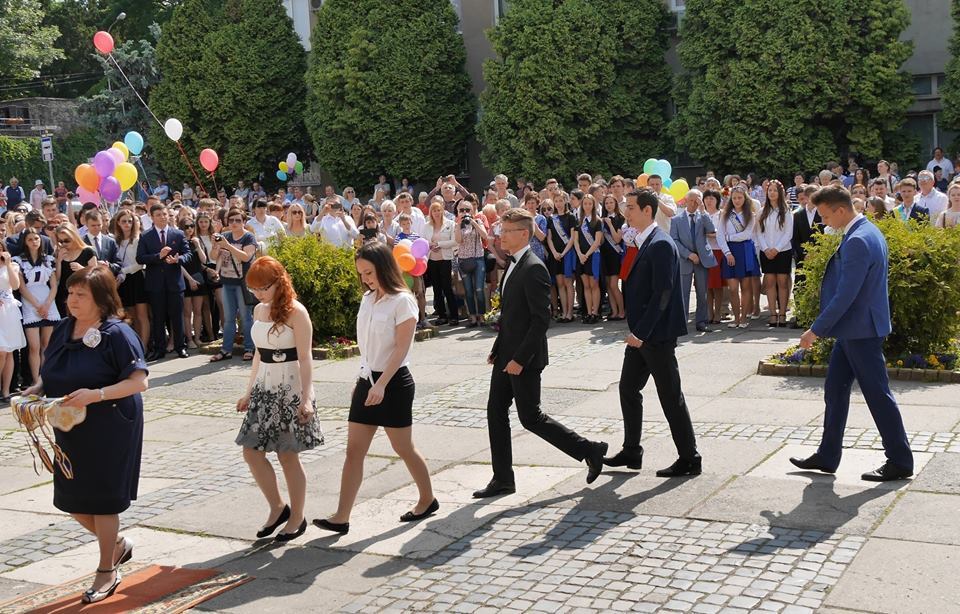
(247, 356)
(92, 596)
(221, 355)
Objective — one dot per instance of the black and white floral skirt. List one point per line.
(271, 423)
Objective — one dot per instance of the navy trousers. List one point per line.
(863, 360)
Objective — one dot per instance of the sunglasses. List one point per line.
(465, 211)
(297, 213)
(63, 241)
(188, 226)
(49, 228)
(238, 220)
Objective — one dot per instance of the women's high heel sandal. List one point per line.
(127, 553)
(92, 596)
(268, 530)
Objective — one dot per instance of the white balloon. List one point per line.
(173, 128)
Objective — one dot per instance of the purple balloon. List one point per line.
(104, 164)
(291, 160)
(110, 189)
(420, 248)
(117, 155)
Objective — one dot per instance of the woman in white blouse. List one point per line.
(739, 267)
(774, 237)
(383, 396)
(951, 216)
(125, 227)
(438, 231)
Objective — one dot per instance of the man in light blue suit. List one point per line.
(689, 229)
(855, 310)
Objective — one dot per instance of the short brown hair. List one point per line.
(520, 217)
(832, 196)
(103, 287)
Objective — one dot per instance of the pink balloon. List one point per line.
(110, 189)
(103, 42)
(117, 155)
(209, 159)
(87, 196)
(420, 268)
(420, 248)
(104, 163)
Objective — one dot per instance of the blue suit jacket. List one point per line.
(651, 292)
(917, 212)
(680, 233)
(854, 303)
(160, 276)
(109, 252)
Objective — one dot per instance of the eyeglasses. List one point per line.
(297, 213)
(188, 226)
(63, 241)
(238, 220)
(464, 211)
(263, 289)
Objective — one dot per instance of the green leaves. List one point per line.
(26, 45)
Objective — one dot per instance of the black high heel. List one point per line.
(285, 537)
(268, 531)
(92, 596)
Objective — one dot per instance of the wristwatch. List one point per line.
(101, 395)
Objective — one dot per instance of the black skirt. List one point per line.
(133, 290)
(780, 265)
(396, 409)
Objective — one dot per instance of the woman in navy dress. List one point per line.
(95, 360)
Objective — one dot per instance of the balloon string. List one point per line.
(192, 170)
(149, 110)
(214, 180)
(145, 178)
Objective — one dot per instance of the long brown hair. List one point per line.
(266, 271)
(747, 208)
(385, 266)
(781, 205)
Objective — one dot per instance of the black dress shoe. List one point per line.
(155, 356)
(703, 328)
(430, 511)
(595, 461)
(282, 518)
(283, 538)
(887, 473)
(811, 463)
(681, 468)
(182, 354)
(623, 458)
(337, 527)
(494, 489)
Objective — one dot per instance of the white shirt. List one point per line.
(419, 221)
(936, 201)
(332, 230)
(513, 262)
(850, 224)
(661, 218)
(945, 165)
(377, 323)
(145, 223)
(642, 236)
(811, 215)
(128, 257)
(775, 236)
(269, 227)
(36, 197)
(712, 241)
(727, 232)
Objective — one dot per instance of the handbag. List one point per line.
(467, 265)
(34, 414)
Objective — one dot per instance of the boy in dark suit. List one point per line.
(102, 243)
(519, 355)
(656, 318)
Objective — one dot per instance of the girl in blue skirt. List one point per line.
(735, 237)
(589, 239)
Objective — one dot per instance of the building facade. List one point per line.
(930, 29)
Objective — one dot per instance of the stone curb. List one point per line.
(766, 367)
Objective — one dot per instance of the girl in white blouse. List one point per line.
(735, 237)
(384, 392)
(125, 227)
(774, 237)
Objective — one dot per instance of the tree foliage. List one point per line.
(26, 44)
(389, 92)
(576, 85)
(822, 79)
(236, 82)
(21, 157)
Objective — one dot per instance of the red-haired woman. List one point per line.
(279, 402)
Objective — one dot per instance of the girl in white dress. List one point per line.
(38, 289)
(11, 329)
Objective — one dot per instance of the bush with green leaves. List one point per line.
(326, 282)
(21, 158)
(389, 90)
(924, 284)
(577, 85)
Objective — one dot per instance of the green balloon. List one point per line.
(409, 279)
(299, 167)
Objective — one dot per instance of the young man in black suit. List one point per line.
(163, 250)
(518, 357)
(655, 318)
(101, 242)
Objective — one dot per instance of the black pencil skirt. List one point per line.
(396, 409)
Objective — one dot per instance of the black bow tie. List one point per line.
(513, 259)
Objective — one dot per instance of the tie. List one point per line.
(163, 238)
(96, 243)
(513, 259)
(693, 231)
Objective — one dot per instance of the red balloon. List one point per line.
(103, 42)
(209, 159)
(420, 268)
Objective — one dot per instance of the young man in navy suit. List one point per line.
(102, 243)
(855, 310)
(163, 250)
(655, 317)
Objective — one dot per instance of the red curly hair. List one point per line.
(266, 271)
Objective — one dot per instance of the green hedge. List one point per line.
(20, 158)
(326, 282)
(924, 284)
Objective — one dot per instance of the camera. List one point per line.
(465, 220)
(218, 237)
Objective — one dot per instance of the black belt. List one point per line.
(275, 356)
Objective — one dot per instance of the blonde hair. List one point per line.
(75, 240)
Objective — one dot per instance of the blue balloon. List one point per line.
(282, 176)
(663, 168)
(134, 142)
(667, 182)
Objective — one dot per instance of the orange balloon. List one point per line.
(400, 249)
(406, 262)
(87, 177)
(642, 180)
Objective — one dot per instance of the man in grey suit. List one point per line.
(689, 229)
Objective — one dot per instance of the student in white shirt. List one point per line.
(384, 393)
(334, 226)
(739, 267)
(264, 227)
(774, 236)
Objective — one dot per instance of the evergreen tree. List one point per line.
(950, 90)
(777, 95)
(577, 85)
(389, 90)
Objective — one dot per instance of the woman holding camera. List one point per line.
(471, 236)
(233, 252)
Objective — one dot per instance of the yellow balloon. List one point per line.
(126, 174)
(283, 167)
(126, 152)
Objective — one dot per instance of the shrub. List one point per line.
(924, 283)
(326, 282)
(20, 157)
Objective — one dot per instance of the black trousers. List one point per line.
(164, 307)
(441, 278)
(659, 360)
(525, 390)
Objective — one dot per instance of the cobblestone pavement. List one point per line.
(745, 537)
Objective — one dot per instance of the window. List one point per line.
(922, 86)
(500, 8)
(924, 128)
(677, 6)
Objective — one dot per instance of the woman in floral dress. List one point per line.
(279, 403)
